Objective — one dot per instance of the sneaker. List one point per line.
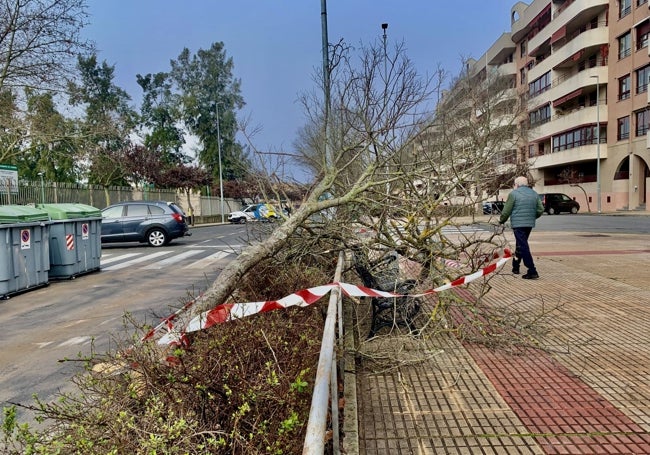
(530, 276)
(515, 270)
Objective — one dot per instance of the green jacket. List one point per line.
(523, 207)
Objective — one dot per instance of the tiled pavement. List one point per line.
(586, 392)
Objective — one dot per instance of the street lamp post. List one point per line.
(597, 142)
(220, 166)
(384, 26)
(40, 174)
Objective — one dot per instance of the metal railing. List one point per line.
(326, 385)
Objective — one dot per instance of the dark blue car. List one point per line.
(154, 222)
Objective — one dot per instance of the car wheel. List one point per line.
(551, 211)
(241, 221)
(574, 210)
(157, 237)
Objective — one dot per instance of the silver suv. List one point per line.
(154, 222)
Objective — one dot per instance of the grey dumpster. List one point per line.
(24, 262)
(75, 239)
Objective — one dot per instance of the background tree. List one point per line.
(186, 178)
(161, 118)
(107, 123)
(206, 86)
(574, 178)
(12, 128)
(52, 142)
(39, 41)
(142, 166)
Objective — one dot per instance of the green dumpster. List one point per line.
(75, 239)
(24, 241)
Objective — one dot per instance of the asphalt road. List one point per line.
(43, 326)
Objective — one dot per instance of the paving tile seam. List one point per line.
(585, 435)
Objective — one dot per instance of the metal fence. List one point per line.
(94, 195)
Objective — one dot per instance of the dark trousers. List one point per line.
(522, 250)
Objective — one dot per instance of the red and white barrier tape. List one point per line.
(229, 311)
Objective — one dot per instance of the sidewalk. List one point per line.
(586, 392)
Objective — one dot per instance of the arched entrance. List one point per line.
(635, 169)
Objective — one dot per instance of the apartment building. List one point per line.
(582, 69)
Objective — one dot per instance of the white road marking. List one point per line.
(202, 263)
(117, 258)
(172, 260)
(75, 340)
(148, 257)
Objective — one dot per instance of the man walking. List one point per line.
(523, 207)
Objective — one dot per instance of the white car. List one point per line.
(253, 212)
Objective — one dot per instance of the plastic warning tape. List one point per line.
(305, 297)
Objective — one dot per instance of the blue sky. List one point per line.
(276, 45)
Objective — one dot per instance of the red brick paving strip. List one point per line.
(562, 413)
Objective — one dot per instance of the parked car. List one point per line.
(493, 207)
(253, 212)
(555, 203)
(154, 222)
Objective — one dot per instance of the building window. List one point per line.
(522, 49)
(642, 32)
(624, 87)
(531, 150)
(540, 116)
(539, 85)
(623, 131)
(641, 2)
(574, 138)
(642, 122)
(624, 8)
(522, 74)
(624, 45)
(642, 76)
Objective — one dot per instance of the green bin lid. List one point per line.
(70, 211)
(21, 214)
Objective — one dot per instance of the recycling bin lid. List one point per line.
(21, 214)
(70, 211)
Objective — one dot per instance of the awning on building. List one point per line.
(559, 34)
(567, 97)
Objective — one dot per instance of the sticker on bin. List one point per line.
(25, 239)
(84, 231)
(69, 242)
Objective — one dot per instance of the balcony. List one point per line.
(559, 123)
(593, 38)
(574, 155)
(569, 16)
(563, 86)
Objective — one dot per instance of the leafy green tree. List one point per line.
(12, 129)
(52, 147)
(161, 118)
(107, 123)
(209, 96)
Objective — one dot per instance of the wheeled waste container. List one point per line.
(24, 243)
(75, 239)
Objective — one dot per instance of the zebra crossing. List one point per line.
(195, 258)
